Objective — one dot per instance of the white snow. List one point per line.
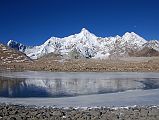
(152, 44)
(88, 45)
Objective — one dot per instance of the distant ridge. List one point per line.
(87, 45)
(145, 52)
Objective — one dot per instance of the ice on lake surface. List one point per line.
(79, 88)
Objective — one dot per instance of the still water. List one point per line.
(64, 89)
(72, 85)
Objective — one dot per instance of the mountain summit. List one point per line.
(84, 30)
(86, 45)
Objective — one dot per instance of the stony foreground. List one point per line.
(16, 112)
(131, 64)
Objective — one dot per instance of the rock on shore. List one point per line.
(16, 112)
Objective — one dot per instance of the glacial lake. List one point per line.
(63, 89)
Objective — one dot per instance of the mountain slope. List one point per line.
(87, 45)
(8, 55)
(154, 44)
(145, 52)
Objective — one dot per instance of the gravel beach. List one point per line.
(131, 64)
(18, 112)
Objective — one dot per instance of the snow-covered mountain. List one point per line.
(152, 44)
(87, 45)
(16, 45)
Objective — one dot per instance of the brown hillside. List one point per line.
(8, 55)
(145, 52)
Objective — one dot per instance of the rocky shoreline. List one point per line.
(132, 64)
(20, 112)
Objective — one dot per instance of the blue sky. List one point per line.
(32, 22)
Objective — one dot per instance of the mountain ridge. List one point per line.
(87, 45)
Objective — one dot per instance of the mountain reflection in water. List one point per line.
(46, 85)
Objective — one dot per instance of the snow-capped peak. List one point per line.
(9, 42)
(16, 45)
(86, 44)
(134, 38)
(85, 33)
(84, 30)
